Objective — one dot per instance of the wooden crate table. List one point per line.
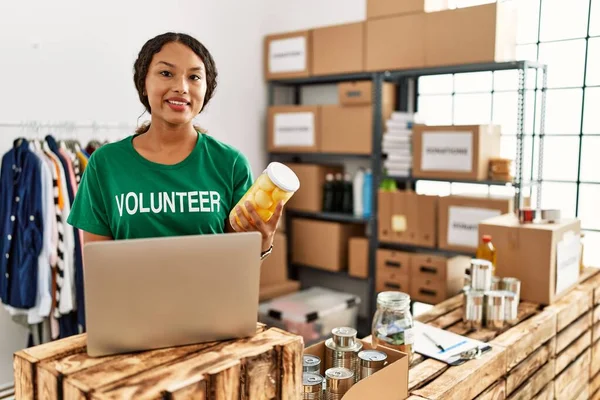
(552, 352)
(265, 366)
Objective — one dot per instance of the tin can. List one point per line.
(511, 308)
(370, 361)
(511, 285)
(496, 283)
(467, 281)
(311, 363)
(494, 309)
(528, 215)
(338, 381)
(312, 386)
(550, 216)
(481, 274)
(341, 350)
(473, 309)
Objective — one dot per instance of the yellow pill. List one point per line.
(265, 183)
(280, 195)
(265, 215)
(263, 200)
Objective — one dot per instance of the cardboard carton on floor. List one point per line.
(310, 195)
(358, 257)
(395, 43)
(338, 49)
(390, 383)
(545, 257)
(386, 8)
(479, 34)
(321, 244)
(274, 272)
(294, 129)
(288, 55)
(454, 152)
(459, 218)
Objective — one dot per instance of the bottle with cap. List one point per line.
(328, 193)
(357, 188)
(367, 193)
(338, 192)
(487, 251)
(347, 195)
(277, 183)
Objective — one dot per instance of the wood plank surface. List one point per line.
(571, 333)
(442, 308)
(573, 351)
(195, 391)
(573, 377)
(424, 373)
(596, 332)
(584, 394)
(468, 380)
(547, 393)
(24, 376)
(496, 392)
(291, 368)
(259, 376)
(595, 363)
(595, 396)
(523, 339)
(592, 283)
(224, 383)
(596, 317)
(570, 307)
(518, 375)
(595, 384)
(535, 384)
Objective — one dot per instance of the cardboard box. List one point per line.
(358, 257)
(401, 228)
(413, 218)
(322, 244)
(384, 215)
(391, 382)
(393, 261)
(432, 291)
(459, 218)
(427, 214)
(294, 129)
(530, 253)
(436, 268)
(277, 289)
(288, 55)
(396, 43)
(274, 269)
(338, 49)
(386, 8)
(310, 195)
(454, 152)
(479, 34)
(360, 93)
(387, 279)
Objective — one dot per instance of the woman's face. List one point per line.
(176, 84)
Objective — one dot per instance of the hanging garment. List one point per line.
(21, 219)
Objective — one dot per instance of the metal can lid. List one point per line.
(311, 379)
(309, 360)
(339, 373)
(481, 263)
(344, 331)
(372, 355)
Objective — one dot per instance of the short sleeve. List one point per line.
(242, 178)
(88, 211)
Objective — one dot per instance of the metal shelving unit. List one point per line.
(407, 82)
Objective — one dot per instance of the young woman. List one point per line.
(170, 178)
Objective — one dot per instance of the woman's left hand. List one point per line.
(256, 224)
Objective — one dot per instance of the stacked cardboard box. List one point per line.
(397, 144)
(274, 280)
(310, 195)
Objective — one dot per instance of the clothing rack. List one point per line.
(33, 125)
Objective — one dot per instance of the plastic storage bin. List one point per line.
(311, 313)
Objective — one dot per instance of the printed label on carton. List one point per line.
(287, 55)
(447, 151)
(294, 129)
(463, 224)
(568, 253)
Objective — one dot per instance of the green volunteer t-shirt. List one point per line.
(125, 196)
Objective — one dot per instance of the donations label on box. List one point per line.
(287, 55)
(463, 224)
(447, 151)
(294, 129)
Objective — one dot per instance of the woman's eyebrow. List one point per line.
(199, 68)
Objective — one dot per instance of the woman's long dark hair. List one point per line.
(153, 46)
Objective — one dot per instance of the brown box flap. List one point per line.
(385, 8)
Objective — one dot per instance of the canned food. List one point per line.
(312, 386)
(473, 309)
(311, 363)
(341, 350)
(338, 381)
(494, 309)
(512, 285)
(511, 308)
(481, 274)
(496, 283)
(370, 361)
(277, 183)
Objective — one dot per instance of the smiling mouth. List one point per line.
(177, 103)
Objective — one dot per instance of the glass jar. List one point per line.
(393, 325)
(277, 183)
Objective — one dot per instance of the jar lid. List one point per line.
(283, 176)
(393, 299)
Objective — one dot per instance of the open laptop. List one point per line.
(146, 294)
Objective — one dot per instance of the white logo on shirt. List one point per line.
(165, 202)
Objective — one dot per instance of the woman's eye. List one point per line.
(165, 73)
(195, 77)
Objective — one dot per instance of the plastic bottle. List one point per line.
(487, 251)
(357, 188)
(338, 192)
(328, 193)
(347, 195)
(367, 193)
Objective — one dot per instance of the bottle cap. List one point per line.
(486, 238)
(283, 177)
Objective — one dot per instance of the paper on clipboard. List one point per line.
(454, 346)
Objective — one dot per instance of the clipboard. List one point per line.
(447, 346)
